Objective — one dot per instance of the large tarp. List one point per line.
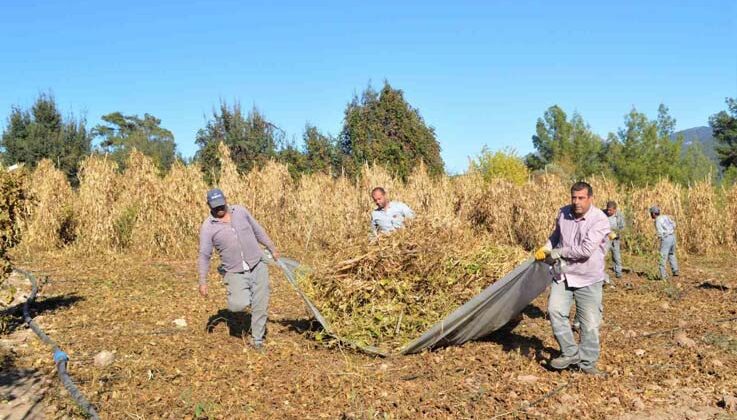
(487, 312)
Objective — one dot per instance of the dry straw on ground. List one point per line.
(403, 281)
(387, 292)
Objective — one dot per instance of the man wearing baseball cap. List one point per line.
(236, 235)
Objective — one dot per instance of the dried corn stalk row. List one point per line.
(48, 208)
(146, 212)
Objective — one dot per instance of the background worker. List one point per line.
(665, 229)
(616, 224)
(388, 215)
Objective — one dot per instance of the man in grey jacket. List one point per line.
(236, 235)
(616, 223)
(665, 228)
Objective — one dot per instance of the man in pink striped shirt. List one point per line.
(577, 249)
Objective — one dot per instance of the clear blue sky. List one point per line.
(480, 72)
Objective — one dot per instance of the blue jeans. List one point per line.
(668, 252)
(588, 314)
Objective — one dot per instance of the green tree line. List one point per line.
(642, 151)
(379, 126)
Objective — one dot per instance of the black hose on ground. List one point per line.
(60, 358)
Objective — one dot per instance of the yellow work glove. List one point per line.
(541, 253)
(612, 236)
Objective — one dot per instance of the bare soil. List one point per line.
(207, 369)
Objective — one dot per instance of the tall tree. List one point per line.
(382, 127)
(42, 132)
(551, 139)
(294, 158)
(252, 139)
(696, 165)
(724, 125)
(321, 151)
(642, 151)
(566, 143)
(123, 133)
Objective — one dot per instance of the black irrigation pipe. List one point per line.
(60, 358)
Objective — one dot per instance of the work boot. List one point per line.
(593, 371)
(562, 362)
(618, 275)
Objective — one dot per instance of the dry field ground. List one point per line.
(670, 349)
(119, 252)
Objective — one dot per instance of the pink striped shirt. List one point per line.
(582, 244)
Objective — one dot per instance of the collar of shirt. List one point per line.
(214, 219)
(569, 214)
(385, 207)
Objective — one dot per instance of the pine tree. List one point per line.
(382, 127)
(42, 133)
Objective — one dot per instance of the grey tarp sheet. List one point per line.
(488, 311)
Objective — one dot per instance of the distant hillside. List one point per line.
(702, 135)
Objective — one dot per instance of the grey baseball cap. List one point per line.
(655, 210)
(215, 198)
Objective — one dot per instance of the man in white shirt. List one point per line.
(388, 215)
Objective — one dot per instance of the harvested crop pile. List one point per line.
(387, 292)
